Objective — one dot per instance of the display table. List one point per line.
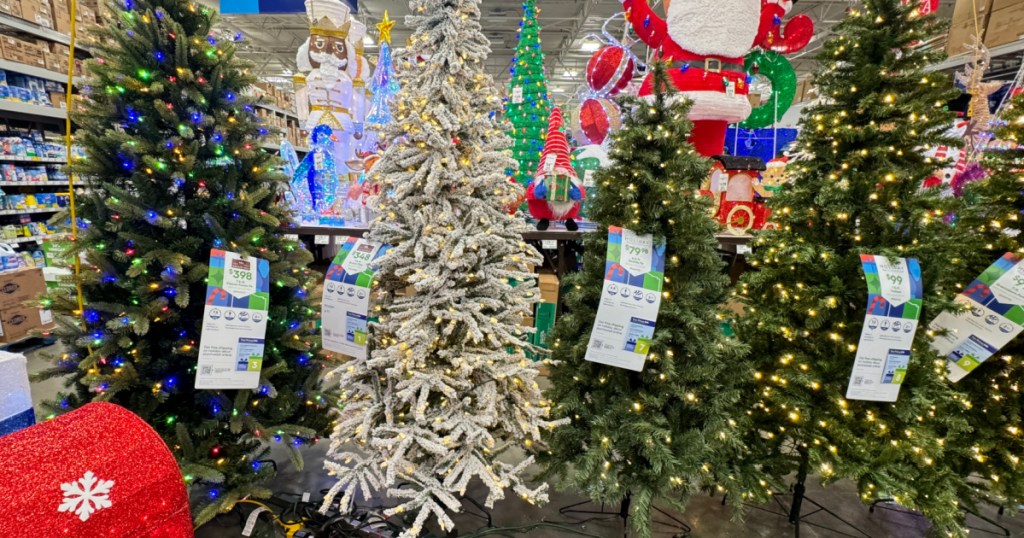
(554, 244)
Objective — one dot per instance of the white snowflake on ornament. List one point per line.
(86, 496)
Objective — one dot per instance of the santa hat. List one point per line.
(778, 162)
(555, 157)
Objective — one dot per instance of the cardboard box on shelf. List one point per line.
(58, 100)
(548, 283)
(544, 323)
(1006, 23)
(18, 323)
(37, 11)
(11, 7)
(20, 286)
(963, 26)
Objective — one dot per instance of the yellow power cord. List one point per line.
(289, 528)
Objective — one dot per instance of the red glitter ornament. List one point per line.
(81, 474)
(594, 121)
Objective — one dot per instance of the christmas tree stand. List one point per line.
(795, 511)
(682, 529)
(892, 506)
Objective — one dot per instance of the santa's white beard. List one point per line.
(326, 58)
(714, 27)
(561, 209)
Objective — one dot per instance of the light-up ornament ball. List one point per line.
(594, 120)
(609, 70)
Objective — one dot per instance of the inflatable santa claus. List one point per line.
(705, 42)
(555, 193)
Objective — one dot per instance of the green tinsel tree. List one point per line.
(991, 455)
(528, 111)
(666, 432)
(175, 169)
(858, 193)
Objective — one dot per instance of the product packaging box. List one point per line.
(20, 286)
(1006, 22)
(11, 7)
(962, 26)
(17, 323)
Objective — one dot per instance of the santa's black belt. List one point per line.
(712, 65)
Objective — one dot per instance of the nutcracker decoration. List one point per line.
(706, 42)
(555, 193)
(332, 91)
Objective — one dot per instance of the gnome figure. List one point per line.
(556, 192)
(705, 41)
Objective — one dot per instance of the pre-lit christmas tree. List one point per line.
(663, 433)
(806, 300)
(175, 170)
(528, 108)
(447, 389)
(992, 217)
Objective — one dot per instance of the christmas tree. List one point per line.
(667, 431)
(991, 219)
(806, 302)
(527, 108)
(383, 85)
(447, 389)
(175, 170)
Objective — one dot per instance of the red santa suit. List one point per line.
(705, 42)
(556, 192)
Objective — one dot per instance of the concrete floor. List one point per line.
(706, 515)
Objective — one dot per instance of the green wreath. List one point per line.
(777, 69)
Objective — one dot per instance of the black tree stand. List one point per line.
(795, 509)
(682, 529)
(892, 506)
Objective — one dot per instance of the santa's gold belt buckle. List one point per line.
(713, 65)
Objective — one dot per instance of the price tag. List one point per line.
(291, 237)
(305, 496)
(743, 249)
(549, 244)
(239, 275)
(360, 257)
(549, 163)
(730, 88)
(250, 524)
(588, 178)
(517, 95)
(318, 161)
(322, 240)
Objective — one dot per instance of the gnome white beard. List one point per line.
(561, 209)
(714, 27)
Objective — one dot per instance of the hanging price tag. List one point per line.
(239, 275)
(549, 244)
(549, 163)
(346, 300)
(588, 178)
(517, 95)
(322, 240)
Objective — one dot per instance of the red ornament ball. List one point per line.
(609, 70)
(594, 121)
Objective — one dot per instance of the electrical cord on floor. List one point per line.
(299, 518)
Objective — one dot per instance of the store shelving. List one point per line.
(277, 147)
(32, 211)
(34, 29)
(32, 238)
(276, 110)
(33, 111)
(33, 71)
(34, 183)
(29, 160)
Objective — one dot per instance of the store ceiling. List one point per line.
(272, 40)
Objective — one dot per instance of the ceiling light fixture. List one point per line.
(590, 46)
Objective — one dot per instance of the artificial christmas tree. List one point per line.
(805, 304)
(446, 390)
(176, 170)
(527, 108)
(992, 218)
(665, 432)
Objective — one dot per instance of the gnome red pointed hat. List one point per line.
(555, 157)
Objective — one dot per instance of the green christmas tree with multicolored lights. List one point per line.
(528, 108)
(176, 169)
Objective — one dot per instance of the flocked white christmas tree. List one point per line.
(447, 389)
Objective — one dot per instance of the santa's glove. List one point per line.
(786, 5)
(540, 191)
(792, 37)
(575, 194)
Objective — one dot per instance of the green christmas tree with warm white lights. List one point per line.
(528, 108)
(806, 300)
